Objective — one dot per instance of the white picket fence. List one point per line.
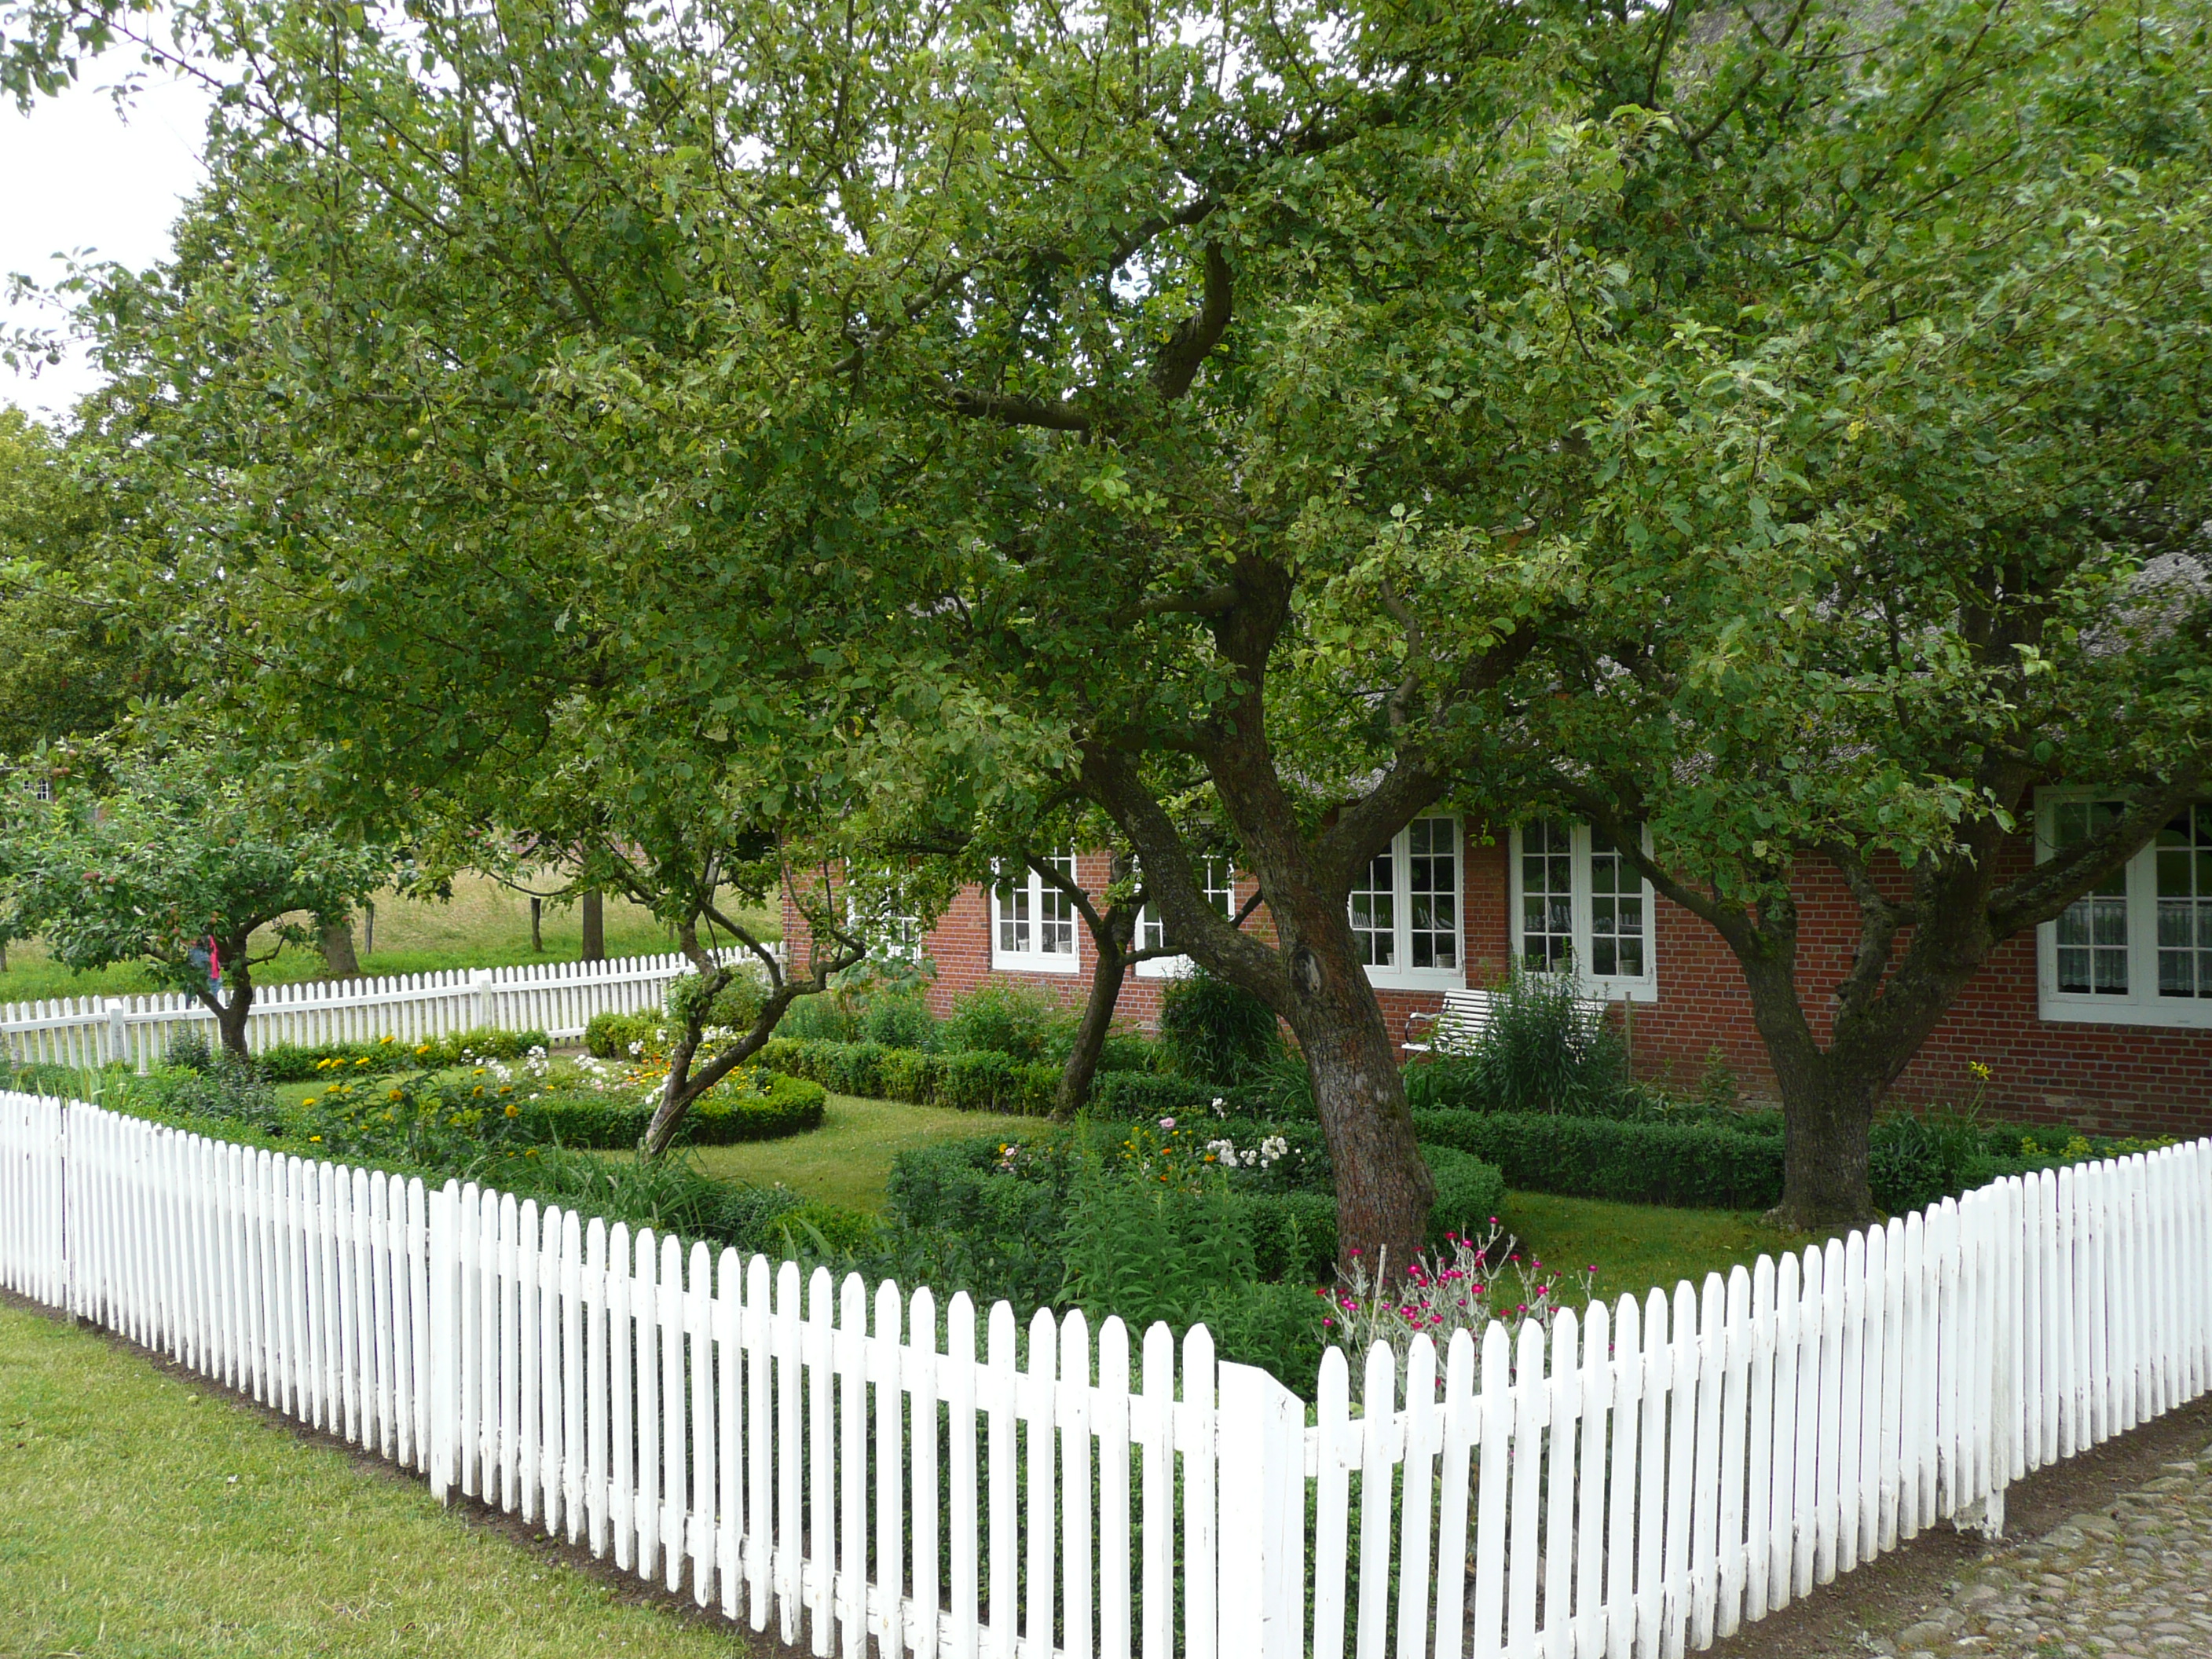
(861, 1467)
(557, 997)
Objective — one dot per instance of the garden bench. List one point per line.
(1464, 1017)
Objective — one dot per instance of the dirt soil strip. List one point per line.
(626, 1587)
(1867, 1611)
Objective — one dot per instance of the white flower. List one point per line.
(1224, 1152)
(1272, 1147)
(1220, 1107)
(636, 1049)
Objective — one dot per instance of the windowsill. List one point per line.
(1645, 989)
(2178, 1014)
(1057, 963)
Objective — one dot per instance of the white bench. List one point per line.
(1464, 1017)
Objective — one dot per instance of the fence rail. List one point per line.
(557, 997)
(868, 1467)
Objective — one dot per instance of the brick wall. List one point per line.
(2106, 1078)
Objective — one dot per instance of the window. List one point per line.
(2135, 950)
(1405, 908)
(1219, 881)
(1033, 923)
(1579, 905)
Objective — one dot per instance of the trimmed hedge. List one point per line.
(1695, 1165)
(293, 1062)
(791, 1106)
(1469, 1191)
(609, 1036)
(975, 1081)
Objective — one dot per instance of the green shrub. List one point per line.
(1293, 1234)
(1698, 1166)
(621, 1037)
(288, 1063)
(225, 1090)
(1134, 1095)
(1469, 1192)
(899, 1022)
(910, 1074)
(1213, 1031)
(1124, 1051)
(785, 1106)
(1542, 1051)
(1016, 1020)
(825, 1018)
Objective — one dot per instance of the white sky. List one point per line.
(76, 178)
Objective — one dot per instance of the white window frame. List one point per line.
(1037, 959)
(2141, 1004)
(1608, 987)
(1151, 930)
(1399, 976)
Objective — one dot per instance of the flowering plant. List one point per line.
(1464, 1286)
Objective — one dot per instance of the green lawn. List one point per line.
(846, 1160)
(483, 924)
(1637, 1246)
(140, 1515)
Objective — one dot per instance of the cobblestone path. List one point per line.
(2133, 1579)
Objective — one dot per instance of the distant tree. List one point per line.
(170, 856)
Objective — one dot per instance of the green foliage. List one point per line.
(1213, 1031)
(1469, 1192)
(290, 1062)
(781, 1106)
(898, 1022)
(626, 1036)
(220, 1090)
(1541, 1052)
(1698, 1166)
(981, 1080)
(174, 851)
(1009, 1019)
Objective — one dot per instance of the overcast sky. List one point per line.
(75, 175)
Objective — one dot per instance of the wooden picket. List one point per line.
(1640, 1479)
(558, 998)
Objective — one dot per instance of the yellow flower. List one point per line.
(396, 1094)
(315, 1137)
(363, 1060)
(1978, 1070)
(514, 1111)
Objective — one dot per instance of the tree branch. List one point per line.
(1186, 349)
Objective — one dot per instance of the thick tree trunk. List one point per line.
(595, 926)
(1828, 1107)
(1109, 970)
(338, 959)
(236, 1002)
(1383, 1189)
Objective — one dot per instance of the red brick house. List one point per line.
(2102, 1019)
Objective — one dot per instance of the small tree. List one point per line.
(170, 856)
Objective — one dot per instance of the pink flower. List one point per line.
(1167, 1124)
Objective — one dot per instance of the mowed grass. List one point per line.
(1635, 1247)
(140, 1516)
(482, 925)
(848, 1159)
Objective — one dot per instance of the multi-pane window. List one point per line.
(1032, 920)
(1375, 912)
(1432, 892)
(2136, 949)
(2184, 861)
(1405, 908)
(1580, 905)
(2092, 933)
(1547, 896)
(1219, 881)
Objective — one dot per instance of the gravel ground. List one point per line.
(2132, 1579)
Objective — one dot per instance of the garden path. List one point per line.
(2132, 1580)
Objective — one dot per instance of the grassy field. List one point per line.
(847, 1159)
(483, 924)
(1637, 1246)
(140, 1515)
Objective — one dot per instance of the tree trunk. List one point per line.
(1828, 1104)
(537, 926)
(236, 1002)
(1109, 970)
(595, 925)
(1383, 1189)
(338, 959)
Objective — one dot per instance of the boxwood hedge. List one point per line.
(790, 1106)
